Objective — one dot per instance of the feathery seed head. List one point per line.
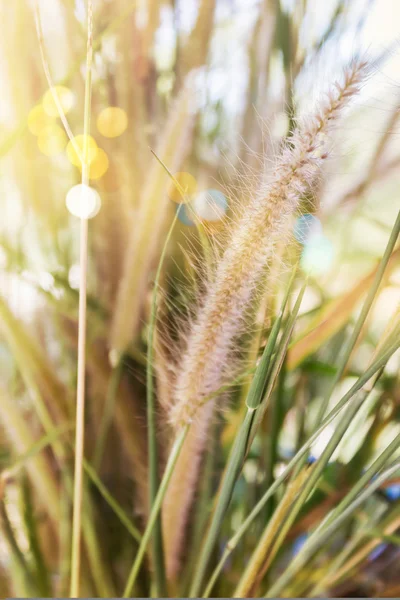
(264, 222)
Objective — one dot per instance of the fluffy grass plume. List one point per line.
(263, 224)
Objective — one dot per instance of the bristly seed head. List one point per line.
(251, 247)
(264, 224)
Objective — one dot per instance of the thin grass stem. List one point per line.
(351, 342)
(80, 399)
(158, 552)
(173, 457)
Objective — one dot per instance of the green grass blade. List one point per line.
(234, 540)
(173, 457)
(350, 344)
(108, 414)
(114, 505)
(42, 574)
(158, 552)
(312, 545)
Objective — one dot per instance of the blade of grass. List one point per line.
(312, 545)
(372, 292)
(41, 571)
(369, 474)
(332, 318)
(37, 466)
(25, 581)
(316, 472)
(158, 553)
(173, 457)
(36, 448)
(109, 407)
(278, 361)
(257, 564)
(389, 525)
(114, 505)
(234, 540)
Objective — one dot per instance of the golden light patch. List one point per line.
(99, 164)
(80, 143)
(52, 140)
(38, 120)
(112, 121)
(182, 189)
(65, 96)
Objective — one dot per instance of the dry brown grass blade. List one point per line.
(37, 467)
(363, 553)
(333, 317)
(145, 242)
(194, 54)
(262, 555)
(129, 422)
(36, 370)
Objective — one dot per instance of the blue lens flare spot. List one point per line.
(393, 492)
(184, 216)
(210, 205)
(306, 227)
(317, 256)
(299, 543)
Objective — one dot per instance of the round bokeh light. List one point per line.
(83, 201)
(38, 120)
(318, 255)
(184, 214)
(182, 188)
(305, 227)
(52, 140)
(112, 121)
(65, 97)
(210, 205)
(79, 140)
(99, 165)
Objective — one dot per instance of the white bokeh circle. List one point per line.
(83, 201)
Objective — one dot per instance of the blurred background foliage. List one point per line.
(212, 87)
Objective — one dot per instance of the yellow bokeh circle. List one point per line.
(38, 120)
(112, 121)
(79, 141)
(52, 140)
(182, 188)
(99, 165)
(65, 96)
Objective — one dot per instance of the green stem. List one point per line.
(158, 552)
(109, 408)
(349, 346)
(173, 457)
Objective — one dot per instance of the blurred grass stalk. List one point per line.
(80, 394)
